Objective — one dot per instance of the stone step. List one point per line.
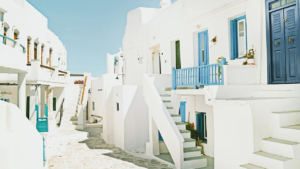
(293, 127)
(189, 142)
(184, 87)
(268, 160)
(279, 147)
(195, 162)
(191, 152)
(185, 133)
(180, 125)
(251, 166)
(288, 118)
(176, 117)
(168, 89)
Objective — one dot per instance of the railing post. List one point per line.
(223, 62)
(173, 78)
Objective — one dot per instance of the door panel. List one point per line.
(278, 50)
(178, 59)
(291, 44)
(203, 48)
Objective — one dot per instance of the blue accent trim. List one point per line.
(5, 37)
(206, 75)
(173, 78)
(44, 159)
(233, 36)
(46, 110)
(182, 111)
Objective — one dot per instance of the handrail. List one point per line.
(60, 107)
(212, 74)
(43, 66)
(76, 74)
(5, 37)
(63, 72)
(83, 90)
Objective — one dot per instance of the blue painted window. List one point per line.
(201, 124)
(238, 37)
(279, 3)
(203, 48)
(117, 106)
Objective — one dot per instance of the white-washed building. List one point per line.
(188, 59)
(33, 76)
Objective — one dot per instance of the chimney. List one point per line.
(165, 3)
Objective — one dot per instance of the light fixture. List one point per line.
(118, 76)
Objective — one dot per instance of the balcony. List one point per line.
(12, 56)
(214, 75)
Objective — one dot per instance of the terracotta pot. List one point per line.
(250, 62)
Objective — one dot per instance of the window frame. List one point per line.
(234, 52)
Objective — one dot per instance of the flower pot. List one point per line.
(250, 62)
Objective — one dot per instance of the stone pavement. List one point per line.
(72, 149)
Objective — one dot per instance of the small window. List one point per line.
(280, 3)
(93, 105)
(54, 104)
(1, 16)
(117, 106)
(238, 37)
(6, 100)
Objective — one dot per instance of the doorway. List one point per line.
(156, 63)
(282, 39)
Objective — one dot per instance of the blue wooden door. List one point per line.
(284, 46)
(182, 111)
(203, 48)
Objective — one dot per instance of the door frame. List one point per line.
(268, 33)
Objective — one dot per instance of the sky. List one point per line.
(89, 28)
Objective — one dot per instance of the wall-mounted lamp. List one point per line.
(118, 76)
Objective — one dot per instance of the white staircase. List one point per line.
(71, 104)
(282, 149)
(192, 155)
(166, 119)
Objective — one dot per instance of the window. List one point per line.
(238, 37)
(6, 100)
(279, 3)
(28, 107)
(54, 104)
(201, 124)
(1, 16)
(93, 105)
(117, 106)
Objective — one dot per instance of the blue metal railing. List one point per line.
(212, 74)
(4, 40)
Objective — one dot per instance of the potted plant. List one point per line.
(249, 58)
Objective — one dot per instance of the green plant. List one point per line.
(220, 67)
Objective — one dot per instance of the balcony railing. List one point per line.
(5, 38)
(205, 75)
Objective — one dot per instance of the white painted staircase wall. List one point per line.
(176, 138)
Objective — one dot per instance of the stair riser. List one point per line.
(189, 144)
(278, 149)
(289, 119)
(195, 164)
(172, 111)
(266, 162)
(181, 127)
(282, 94)
(176, 119)
(167, 92)
(168, 104)
(165, 97)
(192, 154)
(287, 134)
(186, 135)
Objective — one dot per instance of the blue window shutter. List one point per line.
(233, 39)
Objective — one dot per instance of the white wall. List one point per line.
(182, 21)
(23, 145)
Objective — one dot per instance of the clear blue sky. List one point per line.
(89, 28)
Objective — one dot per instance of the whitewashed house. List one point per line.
(33, 76)
(247, 116)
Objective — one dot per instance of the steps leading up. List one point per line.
(251, 166)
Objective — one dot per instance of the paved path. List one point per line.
(72, 149)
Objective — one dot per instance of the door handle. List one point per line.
(284, 20)
(277, 43)
(291, 40)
